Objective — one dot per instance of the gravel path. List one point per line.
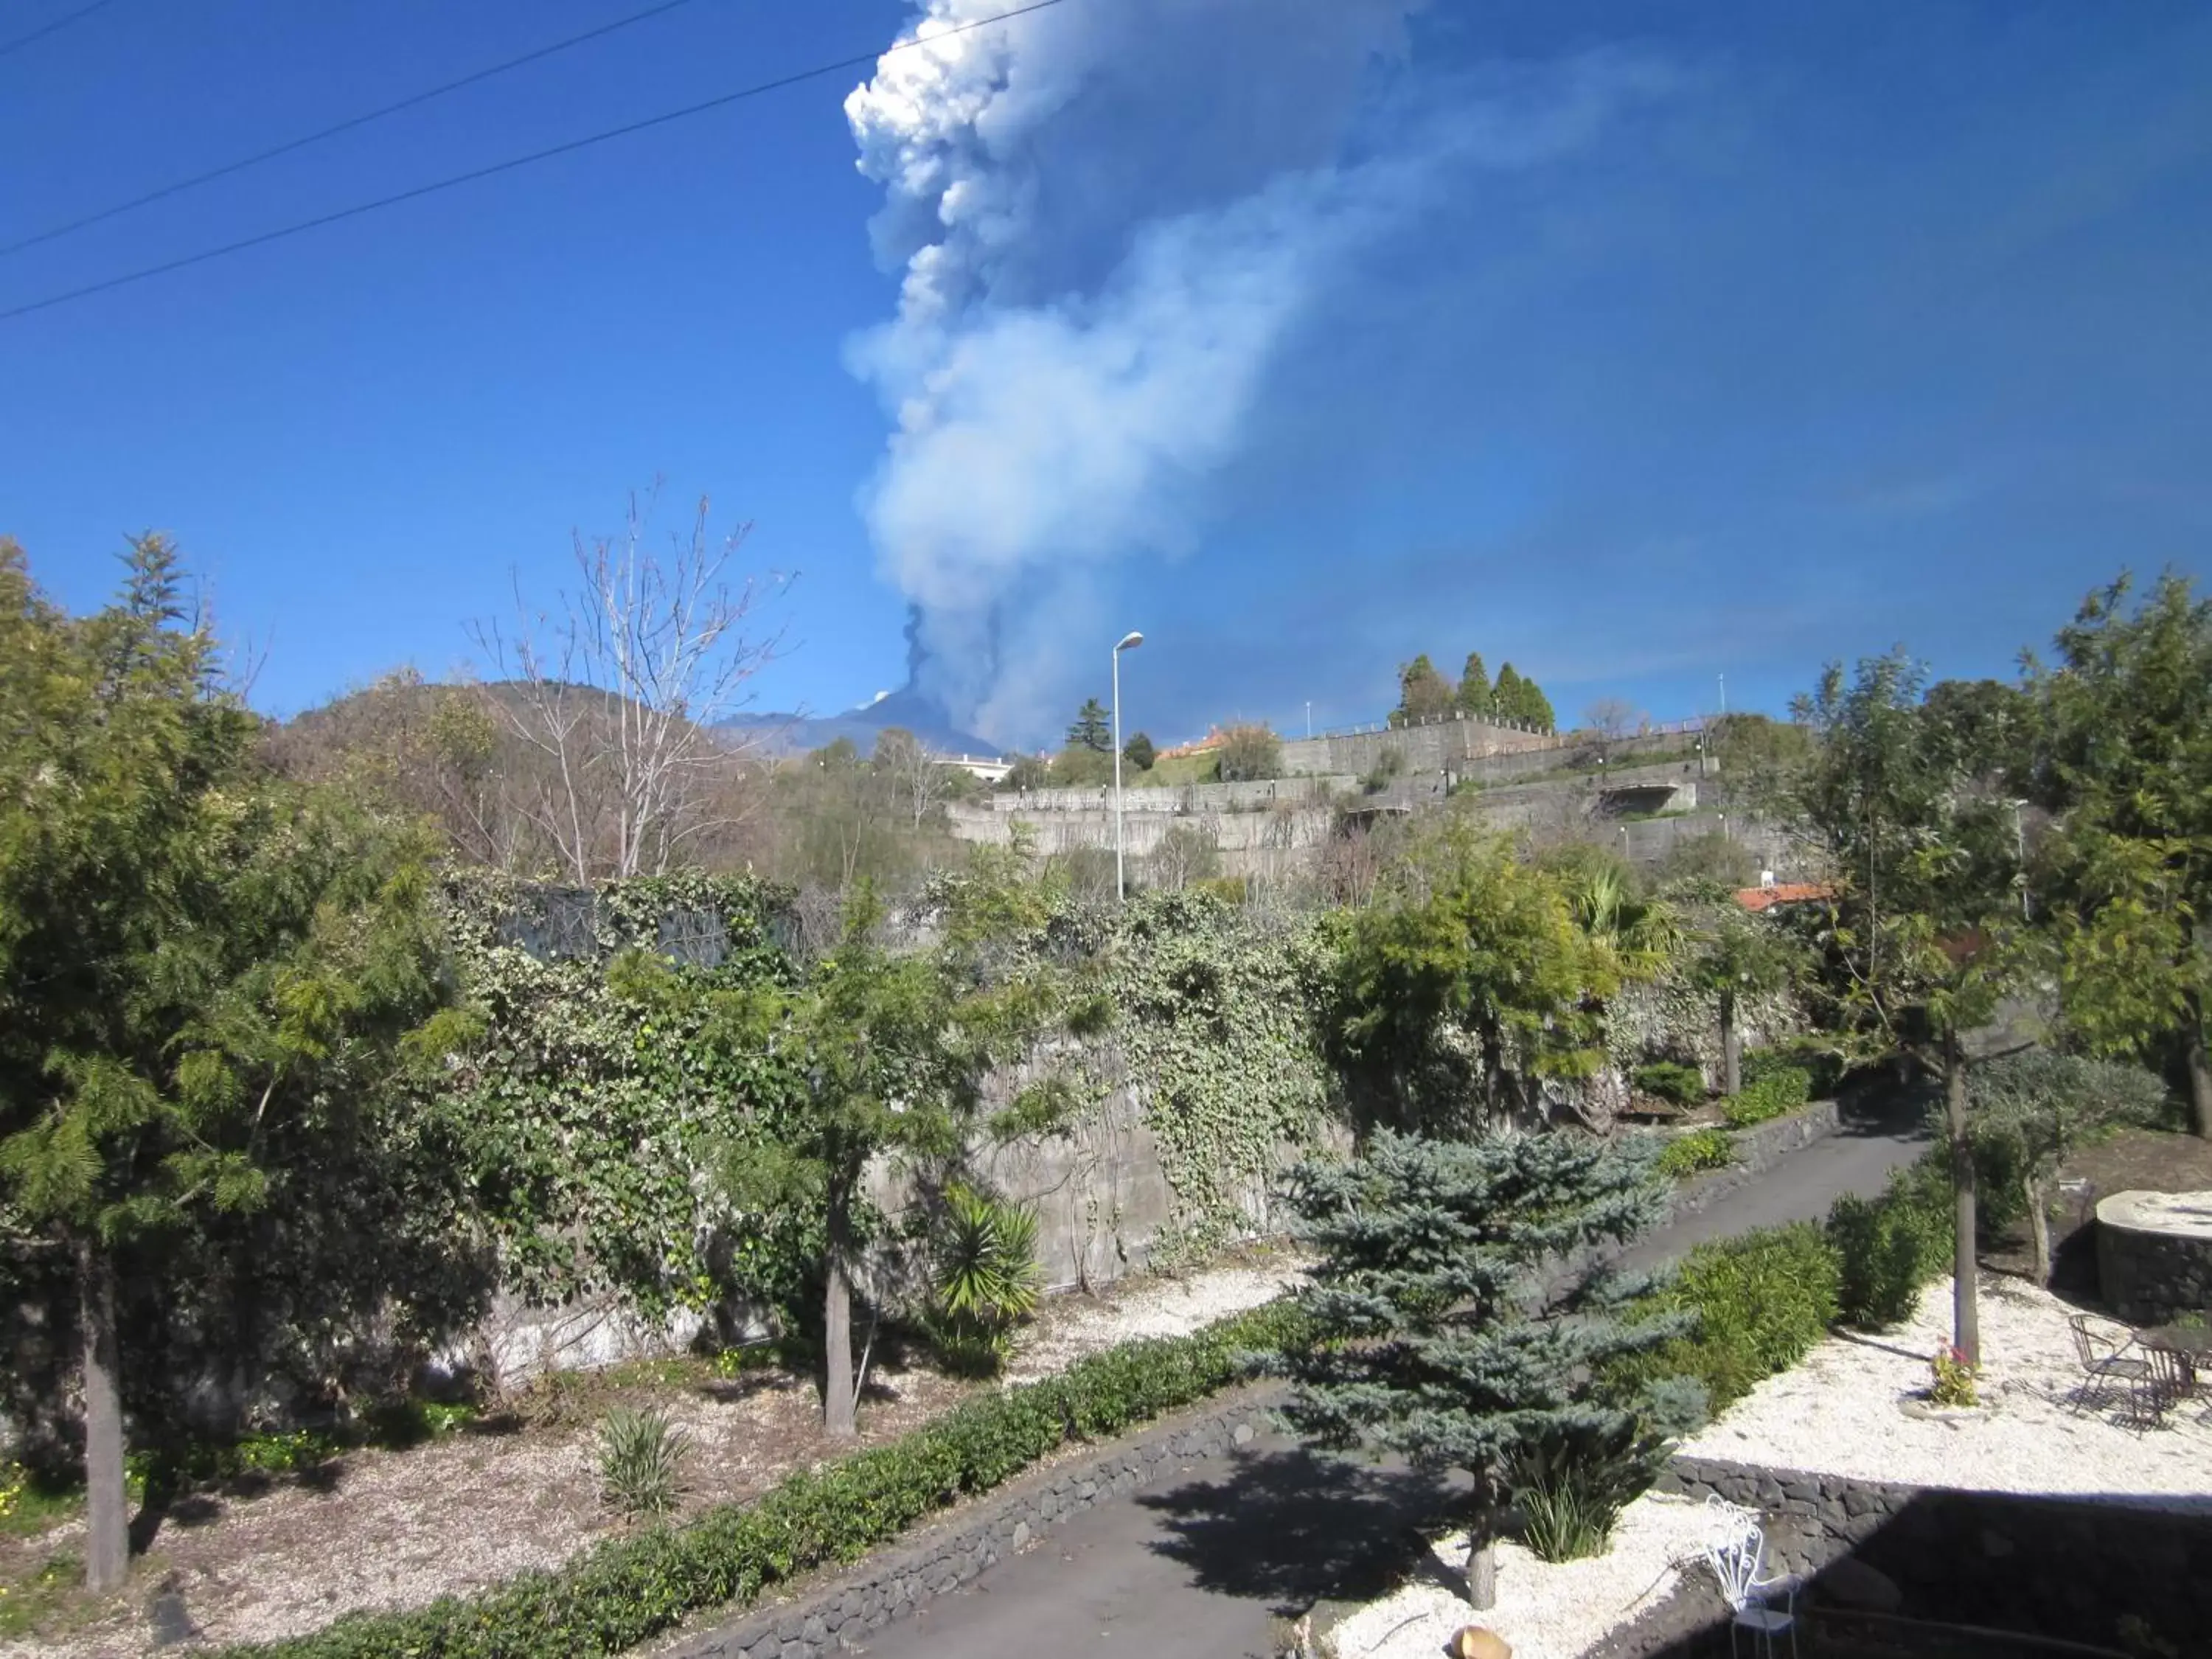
(1852, 1408)
(1545, 1610)
(1147, 1307)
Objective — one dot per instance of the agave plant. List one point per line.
(641, 1462)
(986, 1280)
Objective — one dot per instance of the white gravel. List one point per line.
(1072, 1327)
(1544, 1610)
(1852, 1408)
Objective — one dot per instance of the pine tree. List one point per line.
(1475, 699)
(1440, 1324)
(1509, 696)
(1093, 728)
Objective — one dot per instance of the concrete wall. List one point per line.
(1426, 748)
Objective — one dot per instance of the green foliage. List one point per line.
(1432, 1330)
(986, 1279)
(1080, 767)
(1464, 982)
(1423, 693)
(1139, 752)
(1822, 1065)
(1474, 696)
(1027, 772)
(1570, 1491)
(627, 1591)
(1389, 766)
(605, 1077)
(1216, 1019)
(1753, 1305)
(1669, 1079)
(2127, 719)
(1093, 728)
(641, 1462)
(1701, 1149)
(1564, 1518)
(1889, 1248)
(1776, 1093)
(2036, 1107)
(1247, 754)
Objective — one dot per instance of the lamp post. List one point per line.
(1129, 642)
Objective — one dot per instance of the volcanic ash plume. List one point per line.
(1109, 218)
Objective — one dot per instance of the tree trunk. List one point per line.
(1966, 1308)
(1481, 1569)
(1731, 1047)
(2038, 1226)
(837, 1402)
(107, 1542)
(2200, 1066)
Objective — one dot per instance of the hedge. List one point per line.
(1759, 1301)
(1824, 1067)
(1700, 1149)
(1671, 1080)
(1889, 1247)
(628, 1590)
(1779, 1092)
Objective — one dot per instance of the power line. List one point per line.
(510, 165)
(40, 33)
(287, 147)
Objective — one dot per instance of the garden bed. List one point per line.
(392, 1529)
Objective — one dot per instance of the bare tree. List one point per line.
(1611, 718)
(619, 691)
(919, 778)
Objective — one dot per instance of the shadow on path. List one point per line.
(1289, 1527)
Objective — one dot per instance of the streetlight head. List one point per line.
(1130, 641)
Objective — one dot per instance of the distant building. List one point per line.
(990, 768)
(1770, 893)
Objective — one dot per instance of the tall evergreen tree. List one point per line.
(1475, 698)
(1093, 728)
(205, 974)
(1440, 1322)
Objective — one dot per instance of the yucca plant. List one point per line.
(641, 1462)
(987, 1280)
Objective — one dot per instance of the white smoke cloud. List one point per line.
(1110, 217)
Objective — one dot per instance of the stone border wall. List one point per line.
(2149, 1277)
(1758, 1150)
(2059, 1566)
(835, 1614)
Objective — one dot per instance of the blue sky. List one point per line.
(1638, 345)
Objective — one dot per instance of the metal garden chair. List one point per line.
(1735, 1549)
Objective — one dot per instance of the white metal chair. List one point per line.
(1735, 1549)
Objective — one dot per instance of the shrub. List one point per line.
(641, 1462)
(628, 1590)
(1758, 1302)
(1701, 1149)
(1778, 1093)
(1248, 753)
(1823, 1067)
(1670, 1079)
(1887, 1247)
(1570, 1494)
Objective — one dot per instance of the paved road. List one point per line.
(1203, 1568)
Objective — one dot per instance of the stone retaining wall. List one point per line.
(1758, 1150)
(2071, 1567)
(2151, 1278)
(837, 1613)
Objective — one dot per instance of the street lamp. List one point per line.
(1129, 642)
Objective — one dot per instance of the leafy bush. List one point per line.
(641, 1462)
(1758, 1303)
(1570, 1495)
(1954, 1378)
(1701, 1149)
(1889, 1248)
(1778, 1094)
(629, 1590)
(1671, 1080)
(1248, 753)
(987, 1280)
(1823, 1067)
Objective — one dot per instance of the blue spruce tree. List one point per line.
(1447, 1322)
